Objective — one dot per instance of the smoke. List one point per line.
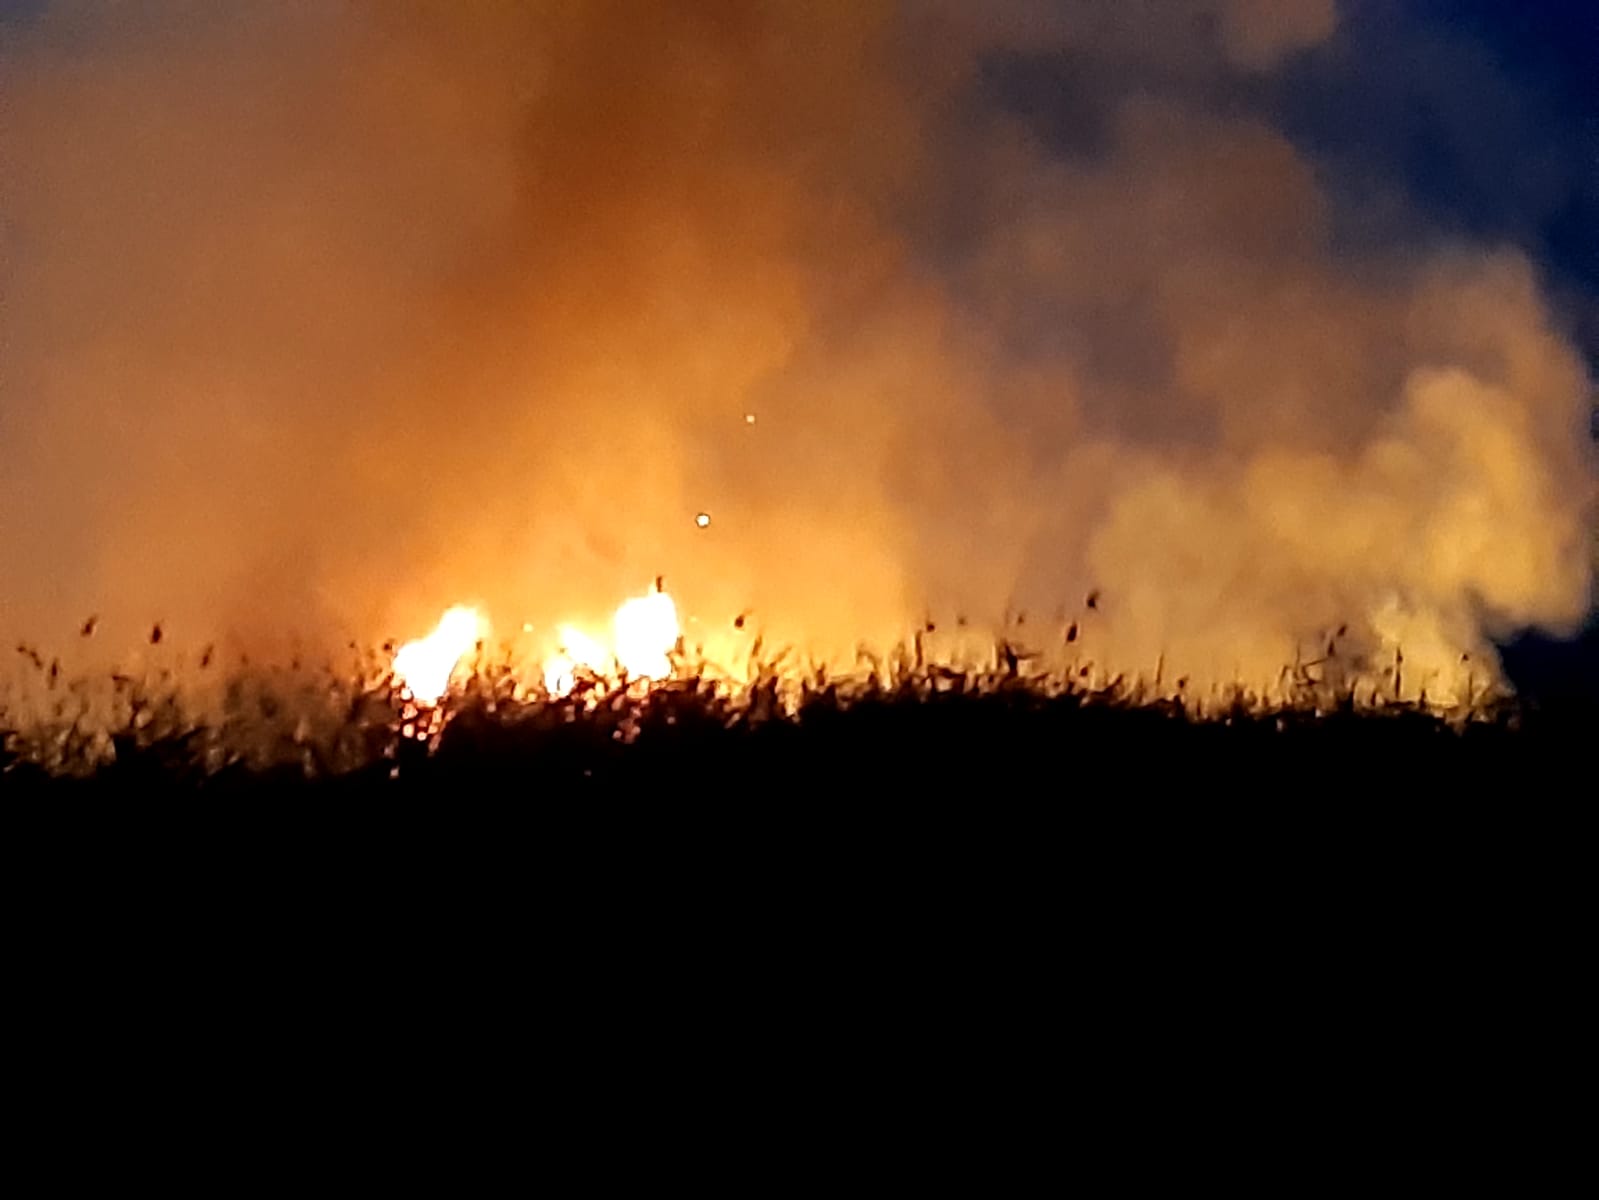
(318, 318)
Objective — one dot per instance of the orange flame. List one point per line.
(578, 651)
(646, 634)
(424, 667)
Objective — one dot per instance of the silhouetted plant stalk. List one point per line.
(353, 719)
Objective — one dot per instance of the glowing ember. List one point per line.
(646, 633)
(424, 667)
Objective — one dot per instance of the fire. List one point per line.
(578, 650)
(644, 633)
(424, 666)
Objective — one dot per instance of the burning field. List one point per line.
(408, 388)
(635, 709)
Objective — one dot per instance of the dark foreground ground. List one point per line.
(942, 925)
(997, 817)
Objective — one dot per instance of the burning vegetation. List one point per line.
(640, 708)
(327, 322)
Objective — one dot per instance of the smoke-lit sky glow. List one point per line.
(1257, 318)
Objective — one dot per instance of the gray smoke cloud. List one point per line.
(317, 318)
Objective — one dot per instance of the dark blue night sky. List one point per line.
(1491, 129)
(1482, 114)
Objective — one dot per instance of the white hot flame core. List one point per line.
(646, 634)
(578, 652)
(424, 667)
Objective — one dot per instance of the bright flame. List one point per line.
(646, 634)
(577, 650)
(424, 666)
(643, 635)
